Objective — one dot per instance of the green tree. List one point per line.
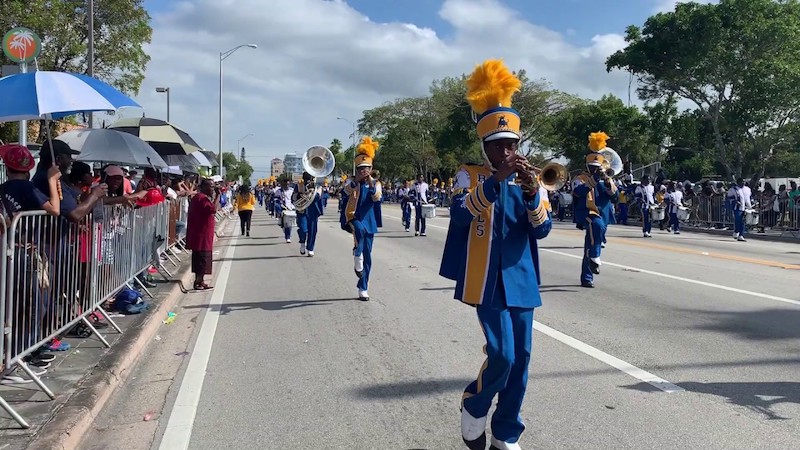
(736, 61)
(122, 28)
(628, 127)
(236, 168)
(336, 146)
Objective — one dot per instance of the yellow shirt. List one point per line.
(245, 205)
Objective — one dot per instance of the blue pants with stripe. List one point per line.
(595, 235)
(363, 246)
(307, 230)
(647, 224)
(509, 335)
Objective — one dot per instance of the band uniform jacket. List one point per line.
(590, 198)
(316, 207)
(359, 204)
(491, 230)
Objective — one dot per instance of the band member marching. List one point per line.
(488, 254)
(405, 204)
(358, 215)
(309, 205)
(593, 192)
(645, 195)
(284, 207)
(419, 195)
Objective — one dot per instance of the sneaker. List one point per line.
(416, 233)
(302, 248)
(33, 362)
(423, 234)
(603, 245)
(43, 356)
(363, 296)
(677, 232)
(310, 253)
(57, 346)
(741, 239)
(407, 230)
(288, 241)
(736, 235)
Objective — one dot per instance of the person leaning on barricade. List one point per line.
(62, 240)
(18, 194)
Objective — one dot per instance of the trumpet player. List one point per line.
(593, 191)
(308, 217)
(488, 253)
(358, 216)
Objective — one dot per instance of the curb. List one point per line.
(72, 421)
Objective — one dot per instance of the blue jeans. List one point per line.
(419, 219)
(406, 214)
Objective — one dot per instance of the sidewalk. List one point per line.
(81, 376)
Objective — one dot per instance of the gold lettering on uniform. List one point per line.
(481, 178)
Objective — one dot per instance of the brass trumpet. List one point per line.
(552, 177)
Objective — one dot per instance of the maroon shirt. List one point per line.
(200, 224)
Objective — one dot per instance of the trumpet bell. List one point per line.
(318, 161)
(613, 162)
(553, 176)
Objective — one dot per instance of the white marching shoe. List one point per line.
(473, 430)
(500, 445)
(302, 248)
(358, 265)
(363, 295)
(310, 253)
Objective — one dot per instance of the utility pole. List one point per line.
(90, 47)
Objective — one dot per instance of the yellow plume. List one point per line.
(367, 147)
(491, 85)
(597, 141)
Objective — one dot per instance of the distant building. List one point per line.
(276, 167)
(293, 165)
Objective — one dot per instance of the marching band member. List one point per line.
(674, 199)
(419, 194)
(308, 219)
(645, 195)
(358, 215)
(593, 192)
(284, 203)
(742, 202)
(405, 204)
(376, 178)
(488, 254)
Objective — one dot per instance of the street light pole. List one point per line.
(354, 141)
(163, 90)
(222, 57)
(90, 48)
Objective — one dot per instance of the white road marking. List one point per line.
(178, 433)
(665, 275)
(604, 357)
(685, 280)
(597, 354)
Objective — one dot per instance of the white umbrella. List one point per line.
(173, 170)
(104, 145)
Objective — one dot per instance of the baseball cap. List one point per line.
(59, 148)
(17, 157)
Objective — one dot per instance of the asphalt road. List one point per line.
(689, 341)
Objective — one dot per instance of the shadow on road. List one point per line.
(404, 389)
(758, 397)
(448, 288)
(267, 305)
(549, 247)
(764, 325)
(258, 258)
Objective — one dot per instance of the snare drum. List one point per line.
(657, 213)
(289, 219)
(428, 211)
(750, 217)
(683, 213)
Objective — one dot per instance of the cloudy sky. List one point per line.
(322, 59)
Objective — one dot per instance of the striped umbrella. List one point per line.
(165, 138)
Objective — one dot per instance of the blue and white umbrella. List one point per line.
(52, 95)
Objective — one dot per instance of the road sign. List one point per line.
(21, 45)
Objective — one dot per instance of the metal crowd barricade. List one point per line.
(57, 273)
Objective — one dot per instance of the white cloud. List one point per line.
(321, 59)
